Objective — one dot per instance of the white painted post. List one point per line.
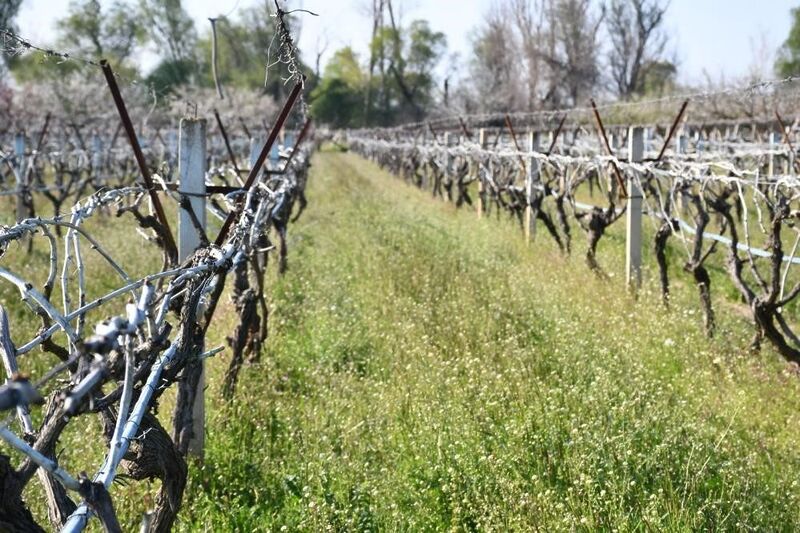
(255, 151)
(681, 143)
(274, 153)
(785, 162)
(531, 175)
(172, 146)
(19, 153)
(97, 158)
(447, 163)
(771, 165)
(482, 142)
(192, 170)
(633, 242)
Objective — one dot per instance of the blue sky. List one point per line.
(721, 37)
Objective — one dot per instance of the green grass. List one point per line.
(428, 371)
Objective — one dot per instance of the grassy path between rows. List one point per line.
(427, 371)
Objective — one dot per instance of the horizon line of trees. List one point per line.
(120, 30)
(526, 55)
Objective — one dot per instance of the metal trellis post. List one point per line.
(482, 142)
(531, 174)
(633, 241)
(192, 170)
(19, 153)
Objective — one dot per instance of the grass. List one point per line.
(428, 371)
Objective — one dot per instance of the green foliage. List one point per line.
(788, 61)
(339, 98)
(90, 30)
(657, 78)
(34, 68)
(405, 59)
(94, 30)
(170, 28)
(337, 104)
(399, 88)
(8, 12)
(170, 74)
(244, 49)
(425, 48)
(97, 33)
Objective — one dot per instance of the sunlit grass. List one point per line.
(427, 371)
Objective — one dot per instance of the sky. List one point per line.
(718, 38)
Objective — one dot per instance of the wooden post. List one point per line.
(633, 241)
(482, 142)
(771, 161)
(192, 169)
(19, 153)
(531, 175)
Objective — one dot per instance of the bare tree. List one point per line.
(169, 26)
(529, 19)
(99, 30)
(637, 40)
(571, 53)
(8, 11)
(377, 23)
(495, 68)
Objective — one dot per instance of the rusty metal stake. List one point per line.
(254, 171)
(231, 155)
(516, 144)
(555, 135)
(115, 137)
(39, 145)
(672, 130)
(464, 129)
(214, 54)
(785, 135)
(244, 127)
(43, 133)
(433, 132)
(297, 143)
(171, 247)
(77, 131)
(603, 137)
